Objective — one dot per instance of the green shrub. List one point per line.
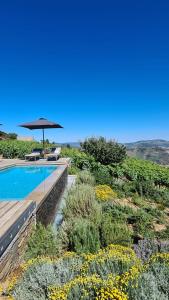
(84, 237)
(102, 175)
(142, 223)
(73, 170)
(105, 152)
(17, 149)
(34, 283)
(145, 178)
(63, 235)
(85, 177)
(69, 152)
(142, 171)
(79, 159)
(81, 202)
(137, 200)
(36, 280)
(149, 190)
(160, 196)
(118, 213)
(154, 212)
(114, 233)
(164, 234)
(43, 241)
(83, 161)
(128, 188)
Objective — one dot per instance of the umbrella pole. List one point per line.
(43, 141)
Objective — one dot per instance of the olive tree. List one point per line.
(106, 152)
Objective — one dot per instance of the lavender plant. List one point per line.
(145, 248)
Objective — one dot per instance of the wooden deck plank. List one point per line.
(3, 203)
(15, 216)
(6, 208)
(11, 216)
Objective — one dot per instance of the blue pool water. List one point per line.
(17, 182)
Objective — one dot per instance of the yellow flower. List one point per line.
(161, 257)
(104, 192)
(103, 289)
(111, 293)
(1, 289)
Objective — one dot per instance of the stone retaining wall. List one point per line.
(47, 210)
(13, 256)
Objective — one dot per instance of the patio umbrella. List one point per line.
(43, 124)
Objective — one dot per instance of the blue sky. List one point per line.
(95, 67)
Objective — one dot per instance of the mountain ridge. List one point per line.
(148, 143)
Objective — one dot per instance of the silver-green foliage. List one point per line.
(82, 216)
(85, 177)
(114, 232)
(81, 202)
(153, 284)
(108, 266)
(36, 280)
(43, 242)
(34, 283)
(84, 237)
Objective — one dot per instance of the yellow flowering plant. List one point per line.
(112, 273)
(1, 290)
(104, 193)
(88, 288)
(160, 257)
(116, 253)
(111, 293)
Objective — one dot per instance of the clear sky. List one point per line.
(95, 67)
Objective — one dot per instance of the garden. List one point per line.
(113, 240)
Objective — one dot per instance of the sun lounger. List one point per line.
(32, 156)
(54, 155)
(36, 153)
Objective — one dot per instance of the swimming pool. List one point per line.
(18, 181)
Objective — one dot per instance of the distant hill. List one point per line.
(3, 135)
(140, 144)
(7, 136)
(154, 150)
(71, 144)
(148, 144)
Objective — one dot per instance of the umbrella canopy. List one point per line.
(41, 123)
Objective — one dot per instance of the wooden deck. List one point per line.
(9, 213)
(13, 214)
(4, 163)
